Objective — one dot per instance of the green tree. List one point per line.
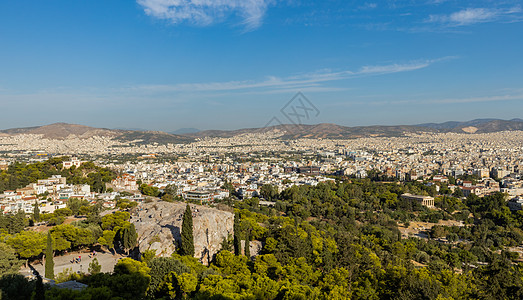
(75, 204)
(16, 287)
(187, 283)
(269, 192)
(27, 243)
(9, 263)
(148, 255)
(149, 190)
(168, 198)
(248, 245)
(67, 236)
(458, 193)
(126, 203)
(187, 245)
(16, 223)
(117, 219)
(49, 261)
(36, 211)
(107, 239)
(94, 267)
(171, 189)
(131, 266)
(63, 212)
(127, 237)
(162, 266)
(237, 234)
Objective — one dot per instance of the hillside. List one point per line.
(334, 131)
(62, 131)
(290, 131)
(477, 126)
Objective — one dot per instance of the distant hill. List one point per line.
(159, 137)
(65, 130)
(334, 131)
(185, 131)
(323, 130)
(288, 131)
(477, 126)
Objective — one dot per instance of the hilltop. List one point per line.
(63, 131)
(334, 131)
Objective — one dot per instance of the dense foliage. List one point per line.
(335, 240)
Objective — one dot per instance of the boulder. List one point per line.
(158, 225)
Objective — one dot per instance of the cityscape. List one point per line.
(261, 149)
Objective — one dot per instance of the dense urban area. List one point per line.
(258, 216)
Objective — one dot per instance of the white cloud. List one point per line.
(471, 16)
(368, 6)
(207, 12)
(295, 82)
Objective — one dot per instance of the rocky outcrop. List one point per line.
(255, 248)
(158, 225)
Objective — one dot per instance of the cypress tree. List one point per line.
(187, 246)
(248, 245)
(36, 212)
(49, 262)
(127, 237)
(237, 239)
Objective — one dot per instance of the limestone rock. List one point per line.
(158, 225)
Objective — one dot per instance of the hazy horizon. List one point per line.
(232, 129)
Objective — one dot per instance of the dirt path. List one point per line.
(418, 229)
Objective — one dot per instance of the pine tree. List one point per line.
(94, 267)
(49, 262)
(17, 222)
(187, 246)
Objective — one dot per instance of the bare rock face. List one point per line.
(255, 248)
(159, 224)
(470, 129)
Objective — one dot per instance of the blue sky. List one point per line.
(227, 64)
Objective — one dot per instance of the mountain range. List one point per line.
(290, 131)
(334, 131)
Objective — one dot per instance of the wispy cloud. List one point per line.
(207, 12)
(471, 16)
(479, 99)
(309, 80)
(368, 6)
